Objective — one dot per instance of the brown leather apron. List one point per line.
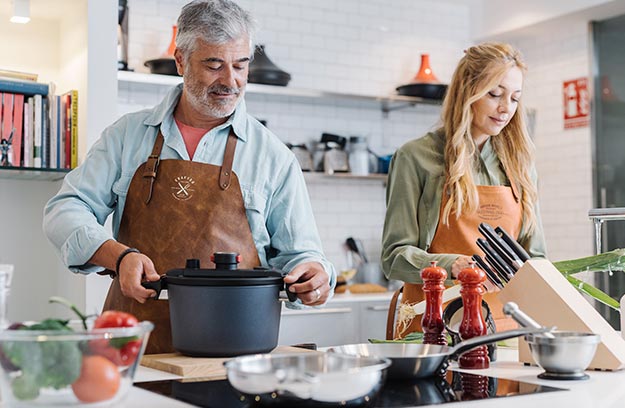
(498, 206)
(176, 210)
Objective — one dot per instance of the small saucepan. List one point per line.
(412, 361)
(307, 379)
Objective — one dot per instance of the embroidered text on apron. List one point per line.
(176, 210)
(498, 206)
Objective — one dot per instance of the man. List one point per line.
(192, 176)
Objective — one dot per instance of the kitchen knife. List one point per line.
(499, 265)
(502, 275)
(502, 248)
(449, 294)
(518, 249)
(492, 276)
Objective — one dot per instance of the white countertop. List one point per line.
(603, 389)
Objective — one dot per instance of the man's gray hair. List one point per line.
(214, 21)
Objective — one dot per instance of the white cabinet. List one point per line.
(345, 319)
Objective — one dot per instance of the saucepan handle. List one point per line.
(469, 344)
(290, 296)
(156, 286)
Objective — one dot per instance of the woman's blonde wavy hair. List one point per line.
(478, 72)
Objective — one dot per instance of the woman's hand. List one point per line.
(460, 263)
(463, 262)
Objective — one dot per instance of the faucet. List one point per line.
(599, 215)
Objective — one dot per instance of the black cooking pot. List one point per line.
(225, 311)
(162, 66)
(423, 90)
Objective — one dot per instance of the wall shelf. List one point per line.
(32, 173)
(312, 177)
(387, 103)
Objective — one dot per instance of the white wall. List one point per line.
(364, 47)
(500, 16)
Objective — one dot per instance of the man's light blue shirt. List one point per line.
(273, 187)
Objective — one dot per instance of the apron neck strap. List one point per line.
(226, 165)
(515, 191)
(151, 164)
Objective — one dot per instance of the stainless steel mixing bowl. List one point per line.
(565, 355)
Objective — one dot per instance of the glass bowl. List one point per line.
(87, 368)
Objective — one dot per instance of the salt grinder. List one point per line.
(473, 323)
(432, 321)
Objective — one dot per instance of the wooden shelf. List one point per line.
(386, 102)
(31, 173)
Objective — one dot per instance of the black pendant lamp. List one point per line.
(263, 71)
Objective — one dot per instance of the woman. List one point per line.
(478, 167)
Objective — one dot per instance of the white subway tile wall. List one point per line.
(363, 47)
(564, 158)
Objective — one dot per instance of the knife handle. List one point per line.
(516, 247)
(504, 250)
(492, 276)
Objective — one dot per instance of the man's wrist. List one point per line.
(121, 257)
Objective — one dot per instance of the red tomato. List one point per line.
(122, 352)
(114, 318)
(99, 380)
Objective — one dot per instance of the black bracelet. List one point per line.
(122, 255)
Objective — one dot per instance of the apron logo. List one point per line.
(490, 212)
(183, 188)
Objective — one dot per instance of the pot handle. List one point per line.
(156, 286)
(471, 343)
(291, 296)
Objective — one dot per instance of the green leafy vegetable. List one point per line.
(43, 364)
(606, 262)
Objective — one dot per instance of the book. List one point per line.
(67, 130)
(28, 133)
(7, 73)
(52, 133)
(74, 129)
(45, 133)
(23, 87)
(58, 127)
(37, 113)
(6, 117)
(18, 121)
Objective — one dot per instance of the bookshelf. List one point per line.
(73, 44)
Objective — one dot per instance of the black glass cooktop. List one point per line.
(454, 387)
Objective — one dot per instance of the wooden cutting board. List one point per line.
(206, 368)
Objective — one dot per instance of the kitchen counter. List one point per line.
(603, 389)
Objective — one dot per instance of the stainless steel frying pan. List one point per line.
(412, 361)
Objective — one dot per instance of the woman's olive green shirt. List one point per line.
(413, 200)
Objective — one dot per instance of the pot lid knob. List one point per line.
(193, 264)
(226, 260)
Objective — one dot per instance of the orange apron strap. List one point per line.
(390, 319)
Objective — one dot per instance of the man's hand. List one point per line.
(133, 269)
(313, 284)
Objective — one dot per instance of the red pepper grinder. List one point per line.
(473, 323)
(432, 322)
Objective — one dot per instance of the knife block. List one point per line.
(543, 293)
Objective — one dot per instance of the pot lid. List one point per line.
(225, 273)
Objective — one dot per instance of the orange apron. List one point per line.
(176, 210)
(498, 206)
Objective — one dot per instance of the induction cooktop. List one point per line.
(453, 387)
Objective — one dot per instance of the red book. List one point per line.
(18, 120)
